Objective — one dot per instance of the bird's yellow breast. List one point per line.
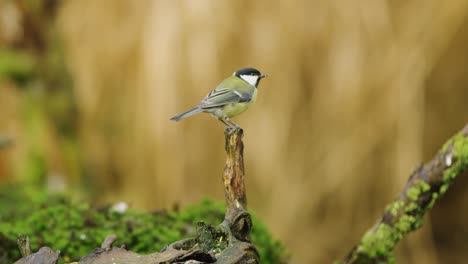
(232, 110)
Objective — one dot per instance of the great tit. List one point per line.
(231, 97)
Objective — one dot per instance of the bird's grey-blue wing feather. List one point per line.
(220, 97)
(231, 90)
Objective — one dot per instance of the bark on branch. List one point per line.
(425, 186)
(233, 177)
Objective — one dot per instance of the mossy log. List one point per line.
(425, 186)
(226, 243)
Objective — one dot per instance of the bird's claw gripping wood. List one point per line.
(229, 130)
(230, 127)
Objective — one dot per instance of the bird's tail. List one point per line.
(190, 112)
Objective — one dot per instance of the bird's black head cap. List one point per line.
(250, 75)
(247, 71)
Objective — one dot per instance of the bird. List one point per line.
(231, 97)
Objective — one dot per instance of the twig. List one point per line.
(108, 241)
(24, 246)
(425, 186)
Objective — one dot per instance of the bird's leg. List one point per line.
(222, 120)
(232, 123)
(234, 126)
(228, 126)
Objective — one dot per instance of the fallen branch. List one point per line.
(425, 186)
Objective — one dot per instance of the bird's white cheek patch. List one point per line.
(252, 79)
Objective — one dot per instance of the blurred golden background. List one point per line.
(358, 93)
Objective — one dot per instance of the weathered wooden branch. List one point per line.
(425, 186)
(232, 237)
(233, 177)
(227, 243)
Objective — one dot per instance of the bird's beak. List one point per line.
(263, 75)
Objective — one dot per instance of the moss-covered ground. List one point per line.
(76, 229)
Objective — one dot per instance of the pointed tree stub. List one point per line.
(233, 176)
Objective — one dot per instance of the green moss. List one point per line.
(424, 187)
(405, 223)
(210, 238)
(413, 193)
(381, 242)
(76, 229)
(395, 207)
(418, 222)
(459, 157)
(434, 198)
(411, 207)
(378, 243)
(444, 188)
(459, 161)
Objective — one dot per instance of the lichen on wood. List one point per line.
(425, 186)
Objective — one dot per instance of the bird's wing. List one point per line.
(222, 95)
(219, 98)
